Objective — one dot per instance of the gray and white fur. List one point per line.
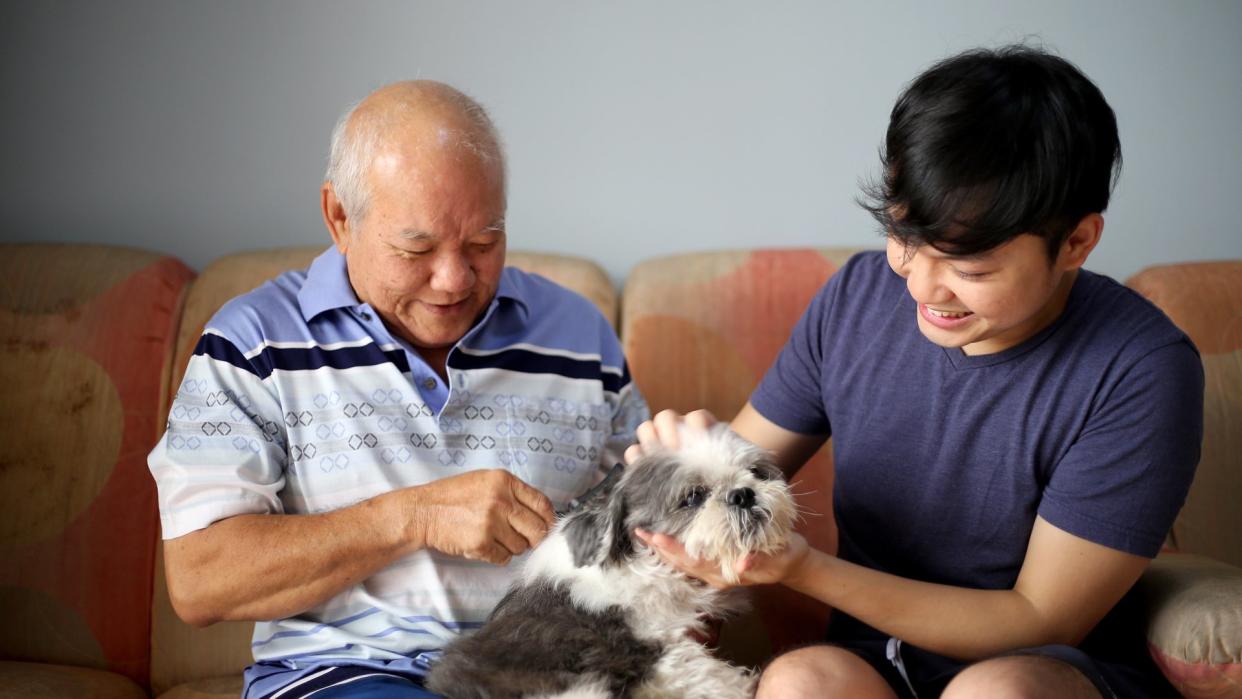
(595, 613)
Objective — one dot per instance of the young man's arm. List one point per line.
(1066, 584)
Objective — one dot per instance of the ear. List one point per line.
(1080, 242)
(619, 544)
(597, 532)
(585, 531)
(334, 217)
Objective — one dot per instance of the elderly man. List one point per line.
(359, 449)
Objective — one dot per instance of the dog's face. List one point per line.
(719, 495)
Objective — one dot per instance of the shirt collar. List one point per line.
(327, 287)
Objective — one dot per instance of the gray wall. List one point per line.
(633, 128)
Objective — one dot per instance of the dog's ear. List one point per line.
(585, 531)
(619, 544)
(597, 532)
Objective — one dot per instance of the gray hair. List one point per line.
(355, 143)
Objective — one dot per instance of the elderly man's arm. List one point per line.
(252, 567)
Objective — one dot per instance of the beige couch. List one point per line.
(94, 340)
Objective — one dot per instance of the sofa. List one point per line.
(93, 341)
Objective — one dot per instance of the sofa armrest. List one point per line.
(1193, 608)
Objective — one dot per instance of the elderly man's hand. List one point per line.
(664, 430)
(756, 569)
(481, 515)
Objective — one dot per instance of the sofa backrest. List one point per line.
(699, 331)
(86, 334)
(1205, 300)
(179, 652)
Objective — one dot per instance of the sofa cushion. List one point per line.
(1205, 300)
(86, 334)
(1194, 623)
(699, 331)
(226, 687)
(32, 680)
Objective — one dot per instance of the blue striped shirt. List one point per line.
(298, 399)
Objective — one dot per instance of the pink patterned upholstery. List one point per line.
(85, 336)
(1195, 630)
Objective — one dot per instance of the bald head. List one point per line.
(408, 123)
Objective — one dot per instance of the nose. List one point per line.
(452, 274)
(923, 281)
(741, 497)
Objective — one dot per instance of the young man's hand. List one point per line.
(664, 431)
(755, 569)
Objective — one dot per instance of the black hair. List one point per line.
(993, 143)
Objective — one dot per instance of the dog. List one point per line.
(594, 613)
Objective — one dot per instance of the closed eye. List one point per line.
(761, 473)
(406, 253)
(970, 276)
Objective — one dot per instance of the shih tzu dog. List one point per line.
(595, 613)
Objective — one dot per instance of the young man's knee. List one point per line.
(1021, 677)
(820, 671)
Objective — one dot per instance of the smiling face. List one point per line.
(991, 302)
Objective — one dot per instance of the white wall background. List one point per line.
(634, 128)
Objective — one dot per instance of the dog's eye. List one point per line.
(695, 497)
(761, 473)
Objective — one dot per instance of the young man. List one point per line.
(1013, 435)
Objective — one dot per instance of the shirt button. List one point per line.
(429, 383)
(366, 316)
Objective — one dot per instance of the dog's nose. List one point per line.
(742, 497)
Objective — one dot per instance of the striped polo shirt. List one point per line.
(298, 400)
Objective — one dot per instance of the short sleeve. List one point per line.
(223, 453)
(1123, 481)
(791, 392)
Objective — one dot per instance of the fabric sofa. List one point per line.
(93, 341)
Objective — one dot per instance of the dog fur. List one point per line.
(595, 613)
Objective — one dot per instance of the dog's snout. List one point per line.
(742, 497)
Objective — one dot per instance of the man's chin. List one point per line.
(436, 338)
(946, 338)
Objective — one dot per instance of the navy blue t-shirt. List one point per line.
(943, 460)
